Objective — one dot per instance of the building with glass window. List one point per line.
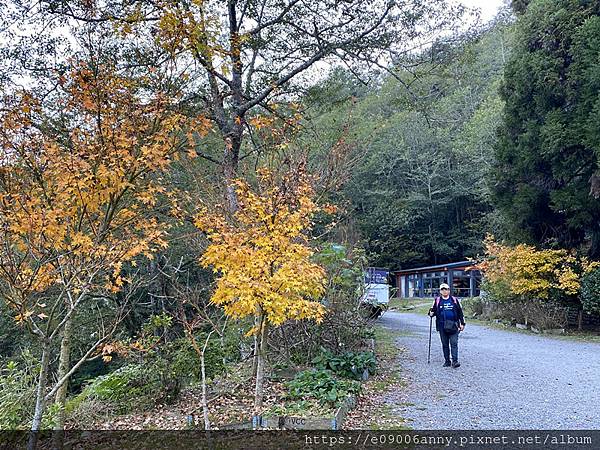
(464, 281)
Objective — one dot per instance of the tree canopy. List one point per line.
(416, 190)
(545, 179)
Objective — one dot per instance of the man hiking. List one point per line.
(449, 321)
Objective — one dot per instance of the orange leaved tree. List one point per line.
(263, 259)
(528, 273)
(77, 191)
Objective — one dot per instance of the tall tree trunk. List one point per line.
(233, 139)
(39, 402)
(256, 345)
(204, 397)
(231, 158)
(260, 366)
(64, 364)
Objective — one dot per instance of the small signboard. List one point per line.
(376, 275)
(377, 294)
(377, 289)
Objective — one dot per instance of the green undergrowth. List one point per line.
(139, 385)
(406, 303)
(387, 351)
(302, 408)
(388, 381)
(321, 385)
(348, 365)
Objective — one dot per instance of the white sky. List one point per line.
(488, 8)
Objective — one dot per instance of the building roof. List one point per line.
(454, 265)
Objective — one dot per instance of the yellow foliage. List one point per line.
(526, 271)
(75, 203)
(259, 122)
(589, 266)
(262, 255)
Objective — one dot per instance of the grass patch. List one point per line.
(399, 333)
(406, 303)
(389, 379)
(379, 406)
(387, 419)
(302, 408)
(393, 377)
(583, 336)
(424, 309)
(385, 342)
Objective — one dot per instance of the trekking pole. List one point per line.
(429, 351)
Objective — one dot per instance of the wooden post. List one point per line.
(260, 367)
(580, 320)
(471, 283)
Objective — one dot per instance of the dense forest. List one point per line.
(192, 186)
(422, 144)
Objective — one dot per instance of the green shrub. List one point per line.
(474, 307)
(320, 385)
(132, 387)
(343, 325)
(498, 292)
(366, 333)
(17, 393)
(348, 365)
(126, 389)
(590, 290)
(139, 386)
(90, 370)
(18, 387)
(185, 361)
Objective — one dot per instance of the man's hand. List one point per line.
(430, 313)
(461, 327)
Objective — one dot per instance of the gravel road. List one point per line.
(507, 380)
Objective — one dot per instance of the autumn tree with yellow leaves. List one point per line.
(77, 191)
(262, 257)
(527, 273)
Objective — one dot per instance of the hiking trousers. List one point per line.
(449, 342)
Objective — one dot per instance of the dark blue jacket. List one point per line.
(458, 312)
